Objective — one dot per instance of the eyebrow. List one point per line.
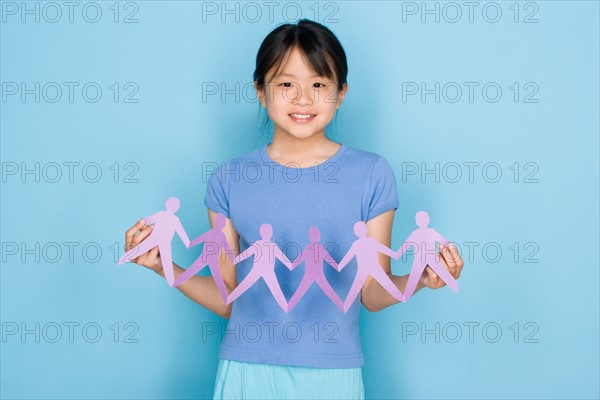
(294, 76)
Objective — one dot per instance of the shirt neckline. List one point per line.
(281, 167)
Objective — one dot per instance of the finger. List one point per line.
(431, 273)
(131, 232)
(143, 234)
(454, 253)
(434, 278)
(448, 260)
(137, 239)
(153, 252)
(459, 261)
(153, 256)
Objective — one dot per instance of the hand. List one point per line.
(150, 259)
(451, 260)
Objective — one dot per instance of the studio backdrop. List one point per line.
(487, 113)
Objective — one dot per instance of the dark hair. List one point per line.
(320, 46)
(322, 49)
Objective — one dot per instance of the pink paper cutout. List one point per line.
(366, 250)
(425, 236)
(313, 256)
(166, 224)
(264, 266)
(212, 237)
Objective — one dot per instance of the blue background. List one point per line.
(547, 291)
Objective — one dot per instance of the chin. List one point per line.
(300, 136)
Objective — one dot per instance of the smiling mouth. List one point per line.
(302, 116)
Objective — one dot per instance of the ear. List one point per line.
(260, 93)
(342, 94)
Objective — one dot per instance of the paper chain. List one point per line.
(365, 249)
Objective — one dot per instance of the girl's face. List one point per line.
(299, 103)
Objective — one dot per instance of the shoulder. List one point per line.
(251, 156)
(368, 159)
(234, 164)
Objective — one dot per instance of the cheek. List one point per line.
(277, 112)
(328, 100)
(281, 97)
(328, 108)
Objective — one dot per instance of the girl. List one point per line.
(300, 180)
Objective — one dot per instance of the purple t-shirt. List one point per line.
(353, 185)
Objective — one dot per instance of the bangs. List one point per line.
(320, 50)
(316, 60)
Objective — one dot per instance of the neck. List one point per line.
(306, 152)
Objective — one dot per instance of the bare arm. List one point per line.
(203, 289)
(200, 289)
(373, 296)
(229, 252)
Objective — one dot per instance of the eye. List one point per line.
(320, 85)
(284, 84)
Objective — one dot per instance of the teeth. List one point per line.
(301, 115)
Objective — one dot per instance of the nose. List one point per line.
(304, 96)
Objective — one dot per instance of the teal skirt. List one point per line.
(241, 380)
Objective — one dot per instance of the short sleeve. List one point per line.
(383, 193)
(217, 193)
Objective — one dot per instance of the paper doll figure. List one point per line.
(426, 238)
(313, 256)
(166, 224)
(366, 250)
(212, 238)
(264, 266)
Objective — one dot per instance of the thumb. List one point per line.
(431, 273)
